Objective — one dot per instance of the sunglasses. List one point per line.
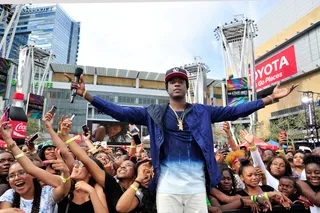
(78, 163)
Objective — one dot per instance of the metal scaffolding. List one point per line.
(34, 64)
(197, 74)
(9, 18)
(237, 44)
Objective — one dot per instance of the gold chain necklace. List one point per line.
(180, 119)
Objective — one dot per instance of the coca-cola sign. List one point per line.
(21, 127)
(276, 68)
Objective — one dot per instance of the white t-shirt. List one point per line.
(47, 204)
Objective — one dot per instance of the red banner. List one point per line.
(276, 68)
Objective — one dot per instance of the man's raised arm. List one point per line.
(228, 113)
(136, 115)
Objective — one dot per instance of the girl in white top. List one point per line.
(277, 167)
(26, 193)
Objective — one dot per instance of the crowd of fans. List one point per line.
(61, 176)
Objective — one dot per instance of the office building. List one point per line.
(50, 28)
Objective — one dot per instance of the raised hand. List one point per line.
(83, 186)
(87, 135)
(144, 174)
(139, 148)
(283, 92)
(59, 163)
(226, 127)
(5, 129)
(109, 168)
(247, 136)
(48, 119)
(282, 139)
(29, 144)
(66, 126)
(60, 120)
(79, 86)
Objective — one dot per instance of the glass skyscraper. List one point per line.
(50, 28)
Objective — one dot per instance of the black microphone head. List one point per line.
(78, 72)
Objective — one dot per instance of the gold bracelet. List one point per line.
(19, 155)
(72, 139)
(134, 187)
(84, 94)
(132, 146)
(280, 150)
(64, 180)
(59, 131)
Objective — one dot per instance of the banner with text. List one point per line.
(276, 68)
(237, 89)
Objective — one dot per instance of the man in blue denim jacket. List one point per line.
(181, 140)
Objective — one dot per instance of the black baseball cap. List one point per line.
(176, 72)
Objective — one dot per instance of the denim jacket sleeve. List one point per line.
(228, 113)
(134, 115)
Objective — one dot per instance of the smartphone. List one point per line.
(72, 116)
(85, 129)
(30, 143)
(104, 144)
(134, 131)
(5, 117)
(53, 110)
(136, 139)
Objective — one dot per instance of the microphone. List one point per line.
(77, 75)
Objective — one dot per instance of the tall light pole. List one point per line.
(310, 114)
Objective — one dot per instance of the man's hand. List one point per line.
(75, 85)
(283, 92)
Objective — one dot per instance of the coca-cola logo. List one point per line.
(21, 127)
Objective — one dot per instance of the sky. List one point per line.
(157, 36)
